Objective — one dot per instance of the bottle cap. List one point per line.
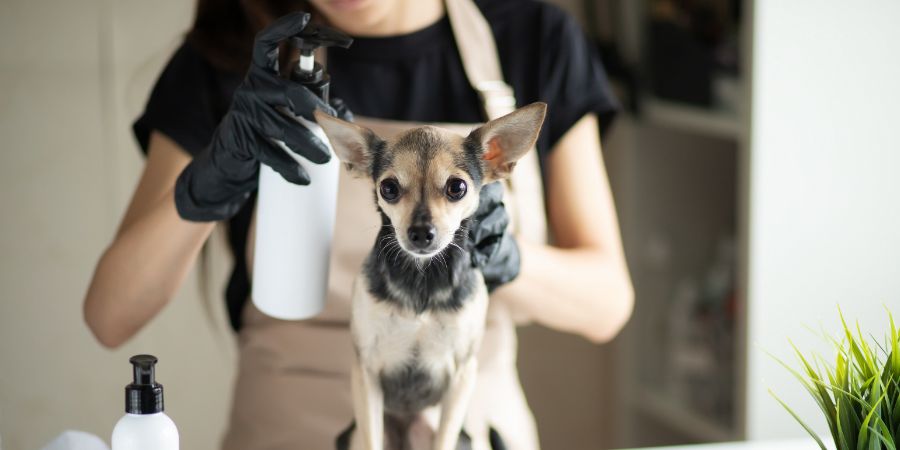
(314, 36)
(308, 72)
(144, 395)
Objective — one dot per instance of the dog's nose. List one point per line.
(420, 236)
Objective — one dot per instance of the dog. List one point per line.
(418, 306)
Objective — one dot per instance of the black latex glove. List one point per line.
(219, 180)
(493, 249)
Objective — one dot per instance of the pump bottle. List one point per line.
(145, 425)
(295, 224)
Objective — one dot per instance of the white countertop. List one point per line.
(799, 444)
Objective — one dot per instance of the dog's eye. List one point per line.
(390, 190)
(456, 189)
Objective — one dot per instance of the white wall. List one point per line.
(824, 186)
(73, 75)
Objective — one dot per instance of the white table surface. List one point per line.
(797, 444)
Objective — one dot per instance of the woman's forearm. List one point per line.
(582, 291)
(582, 285)
(142, 270)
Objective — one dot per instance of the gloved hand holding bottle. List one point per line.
(219, 180)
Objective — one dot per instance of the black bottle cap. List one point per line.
(312, 74)
(314, 36)
(144, 395)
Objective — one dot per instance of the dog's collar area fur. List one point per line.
(443, 283)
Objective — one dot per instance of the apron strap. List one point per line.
(481, 62)
(478, 51)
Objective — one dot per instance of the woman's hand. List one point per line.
(493, 248)
(219, 180)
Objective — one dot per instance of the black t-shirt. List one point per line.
(419, 77)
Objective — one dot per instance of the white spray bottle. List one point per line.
(145, 425)
(295, 224)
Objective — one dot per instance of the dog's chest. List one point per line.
(414, 355)
(388, 336)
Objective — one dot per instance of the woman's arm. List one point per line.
(155, 248)
(580, 285)
(151, 254)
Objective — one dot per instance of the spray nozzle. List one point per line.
(314, 36)
(308, 72)
(144, 395)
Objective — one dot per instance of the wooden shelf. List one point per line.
(689, 118)
(680, 418)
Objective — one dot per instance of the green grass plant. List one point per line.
(859, 393)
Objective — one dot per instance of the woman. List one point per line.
(206, 128)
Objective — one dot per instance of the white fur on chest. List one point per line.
(389, 337)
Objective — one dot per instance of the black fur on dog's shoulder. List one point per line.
(444, 283)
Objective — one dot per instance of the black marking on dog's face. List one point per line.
(470, 158)
(381, 159)
(421, 214)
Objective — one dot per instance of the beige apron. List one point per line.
(293, 385)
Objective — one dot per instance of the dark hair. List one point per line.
(223, 30)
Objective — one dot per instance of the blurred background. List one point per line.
(754, 168)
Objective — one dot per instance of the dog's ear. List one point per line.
(351, 142)
(506, 139)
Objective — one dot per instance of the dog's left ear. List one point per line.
(351, 142)
(506, 139)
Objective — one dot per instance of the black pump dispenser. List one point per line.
(144, 395)
(308, 72)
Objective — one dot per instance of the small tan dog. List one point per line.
(418, 308)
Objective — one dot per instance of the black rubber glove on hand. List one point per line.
(492, 247)
(219, 180)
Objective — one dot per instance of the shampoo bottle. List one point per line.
(145, 425)
(295, 224)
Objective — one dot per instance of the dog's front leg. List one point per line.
(368, 407)
(455, 405)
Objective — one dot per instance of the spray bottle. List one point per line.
(295, 224)
(145, 425)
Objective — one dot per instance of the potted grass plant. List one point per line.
(859, 393)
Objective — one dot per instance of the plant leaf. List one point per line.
(860, 394)
(800, 421)
(863, 438)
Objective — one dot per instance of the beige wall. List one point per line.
(73, 75)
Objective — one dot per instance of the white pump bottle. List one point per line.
(295, 224)
(145, 426)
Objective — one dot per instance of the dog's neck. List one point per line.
(443, 282)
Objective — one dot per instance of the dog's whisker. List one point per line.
(456, 246)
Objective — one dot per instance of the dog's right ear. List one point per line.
(350, 142)
(504, 140)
